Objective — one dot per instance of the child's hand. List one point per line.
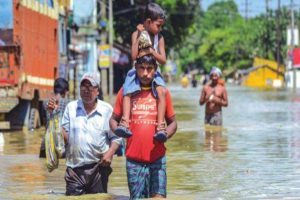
(140, 27)
(143, 52)
(151, 50)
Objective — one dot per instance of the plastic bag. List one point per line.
(144, 40)
(51, 156)
(58, 136)
(54, 142)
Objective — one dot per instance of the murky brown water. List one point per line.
(255, 156)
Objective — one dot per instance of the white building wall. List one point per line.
(290, 80)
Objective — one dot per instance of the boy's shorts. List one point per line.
(146, 180)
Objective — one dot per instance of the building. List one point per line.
(293, 69)
(263, 74)
(28, 60)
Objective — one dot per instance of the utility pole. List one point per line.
(292, 46)
(246, 10)
(103, 41)
(267, 28)
(278, 37)
(111, 67)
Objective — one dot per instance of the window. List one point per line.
(4, 60)
(50, 3)
(40, 1)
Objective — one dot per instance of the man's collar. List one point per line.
(146, 88)
(98, 109)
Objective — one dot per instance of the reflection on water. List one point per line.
(2, 141)
(215, 140)
(254, 156)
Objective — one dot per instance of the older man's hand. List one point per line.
(107, 158)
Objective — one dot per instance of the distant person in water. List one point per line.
(214, 95)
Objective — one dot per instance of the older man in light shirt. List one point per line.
(90, 145)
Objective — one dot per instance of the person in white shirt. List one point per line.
(90, 145)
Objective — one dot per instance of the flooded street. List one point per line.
(255, 156)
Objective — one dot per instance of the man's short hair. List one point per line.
(147, 59)
(61, 85)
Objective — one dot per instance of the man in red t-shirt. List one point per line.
(145, 150)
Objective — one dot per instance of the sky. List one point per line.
(6, 13)
(255, 7)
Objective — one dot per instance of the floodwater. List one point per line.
(256, 155)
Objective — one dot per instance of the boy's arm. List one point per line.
(114, 121)
(161, 56)
(171, 127)
(134, 45)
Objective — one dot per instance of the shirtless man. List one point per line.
(215, 96)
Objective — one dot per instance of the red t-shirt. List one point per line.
(141, 146)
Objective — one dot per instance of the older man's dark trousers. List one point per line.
(88, 179)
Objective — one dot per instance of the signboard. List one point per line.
(296, 55)
(104, 56)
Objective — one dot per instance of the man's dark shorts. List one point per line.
(88, 179)
(214, 119)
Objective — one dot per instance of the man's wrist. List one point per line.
(114, 147)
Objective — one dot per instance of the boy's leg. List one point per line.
(161, 110)
(161, 135)
(159, 91)
(126, 111)
(130, 86)
(123, 129)
(158, 179)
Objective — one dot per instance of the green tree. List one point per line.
(180, 15)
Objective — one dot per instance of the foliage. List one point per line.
(219, 36)
(230, 42)
(180, 14)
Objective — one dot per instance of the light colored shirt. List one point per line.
(89, 135)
